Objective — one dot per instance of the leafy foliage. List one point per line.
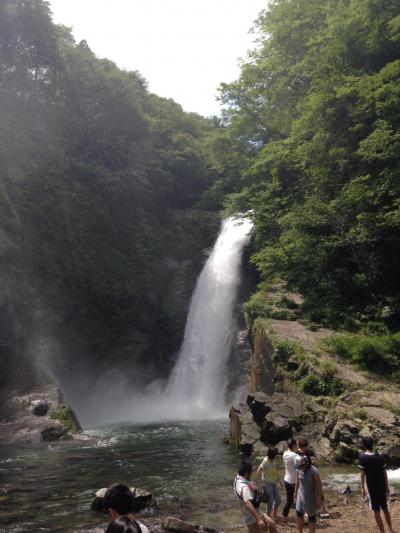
(97, 177)
(377, 353)
(315, 114)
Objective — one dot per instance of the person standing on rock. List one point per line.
(373, 470)
(246, 496)
(289, 458)
(268, 477)
(307, 492)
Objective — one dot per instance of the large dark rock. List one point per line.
(259, 406)
(37, 417)
(141, 499)
(273, 419)
(39, 408)
(244, 432)
(275, 429)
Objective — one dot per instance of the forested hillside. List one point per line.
(101, 220)
(310, 143)
(109, 194)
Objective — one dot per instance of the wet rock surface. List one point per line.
(38, 417)
(141, 499)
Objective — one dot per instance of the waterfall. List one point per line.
(198, 382)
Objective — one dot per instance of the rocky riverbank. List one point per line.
(347, 513)
(38, 417)
(297, 388)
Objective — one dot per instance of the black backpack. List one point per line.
(256, 499)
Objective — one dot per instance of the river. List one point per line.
(185, 465)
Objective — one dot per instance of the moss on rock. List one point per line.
(67, 417)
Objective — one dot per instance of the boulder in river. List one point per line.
(141, 499)
(39, 416)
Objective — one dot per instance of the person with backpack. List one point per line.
(249, 500)
(373, 470)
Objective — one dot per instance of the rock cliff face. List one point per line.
(38, 417)
(276, 408)
(58, 333)
(269, 420)
(262, 370)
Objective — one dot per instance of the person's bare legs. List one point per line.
(379, 522)
(300, 523)
(388, 519)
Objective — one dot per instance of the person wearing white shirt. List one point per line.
(289, 458)
(244, 490)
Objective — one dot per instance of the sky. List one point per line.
(183, 48)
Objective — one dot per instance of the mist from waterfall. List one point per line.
(197, 386)
(198, 382)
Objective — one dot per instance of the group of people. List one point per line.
(302, 483)
(303, 487)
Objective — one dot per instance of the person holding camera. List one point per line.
(307, 492)
(249, 501)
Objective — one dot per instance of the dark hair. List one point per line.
(367, 443)
(119, 497)
(245, 468)
(291, 443)
(272, 453)
(123, 524)
(303, 443)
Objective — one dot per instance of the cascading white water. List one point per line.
(198, 382)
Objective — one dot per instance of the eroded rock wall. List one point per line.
(275, 408)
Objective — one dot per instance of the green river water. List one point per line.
(185, 465)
